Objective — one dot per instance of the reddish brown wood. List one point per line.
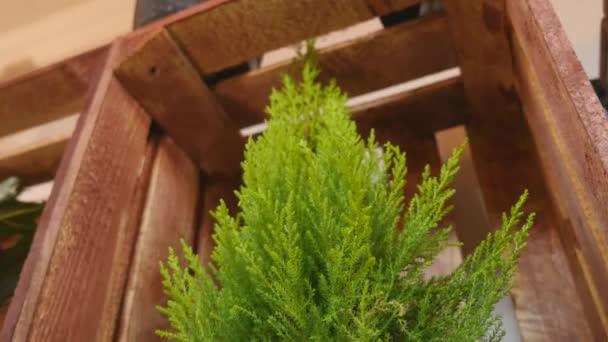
(276, 24)
(91, 206)
(47, 94)
(378, 60)
(169, 215)
(571, 130)
(164, 82)
(505, 161)
(34, 154)
(216, 189)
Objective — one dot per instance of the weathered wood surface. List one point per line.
(47, 94)
(72, 282)
(166, 84)
(545, 298)
(253, 27)
(378, 60)
(169, 215)
(571, 129)
(34, 154)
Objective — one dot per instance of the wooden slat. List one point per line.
(235, 31)
(383, 7)
(392, 56)
(164, 82)
(72, 282)
(47, 94)
(471, 221)
(417, 113)
(170, 214)
(546, 300)
(215, 190)
(33, 155)
(571, 129)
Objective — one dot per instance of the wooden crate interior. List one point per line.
(157, 147)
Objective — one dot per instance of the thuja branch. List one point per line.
(314, 253)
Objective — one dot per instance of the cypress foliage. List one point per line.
(317, 252)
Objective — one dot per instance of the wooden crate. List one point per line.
(129, 184)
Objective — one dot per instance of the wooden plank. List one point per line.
(72, 282)
(164, 82)
(417, 113)
(47, 94)
(571, 128)
(546, 300)
(170, 214)
(378, 60)
(545, 252)
(216, 188)
(383, 7)
(253, 27)
(34, 154)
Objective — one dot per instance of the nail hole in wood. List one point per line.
(152, 70)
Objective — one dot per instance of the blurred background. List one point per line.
(36, 33)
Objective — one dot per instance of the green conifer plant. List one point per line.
(323, 250)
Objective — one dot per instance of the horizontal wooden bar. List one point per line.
(72, 282)
(236, 31)
(415, 113)
(47, 94)
(34, 154)
(164, 82)
(570, 129)
(378, 60)
(170, 214)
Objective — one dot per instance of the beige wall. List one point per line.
(581, 20)
(36, 33)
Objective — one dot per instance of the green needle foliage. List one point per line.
(321, 249)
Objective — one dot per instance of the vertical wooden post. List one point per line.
(72, 283)
(506, 164)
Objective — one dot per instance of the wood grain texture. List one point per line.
(34, 154)
(383, 7)
(253, 27)
(164, 82)
(506, 164)
(170, 214)
(215, 189)
(385, 58)
(82, 247)
(47, 94)
(571, 129)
